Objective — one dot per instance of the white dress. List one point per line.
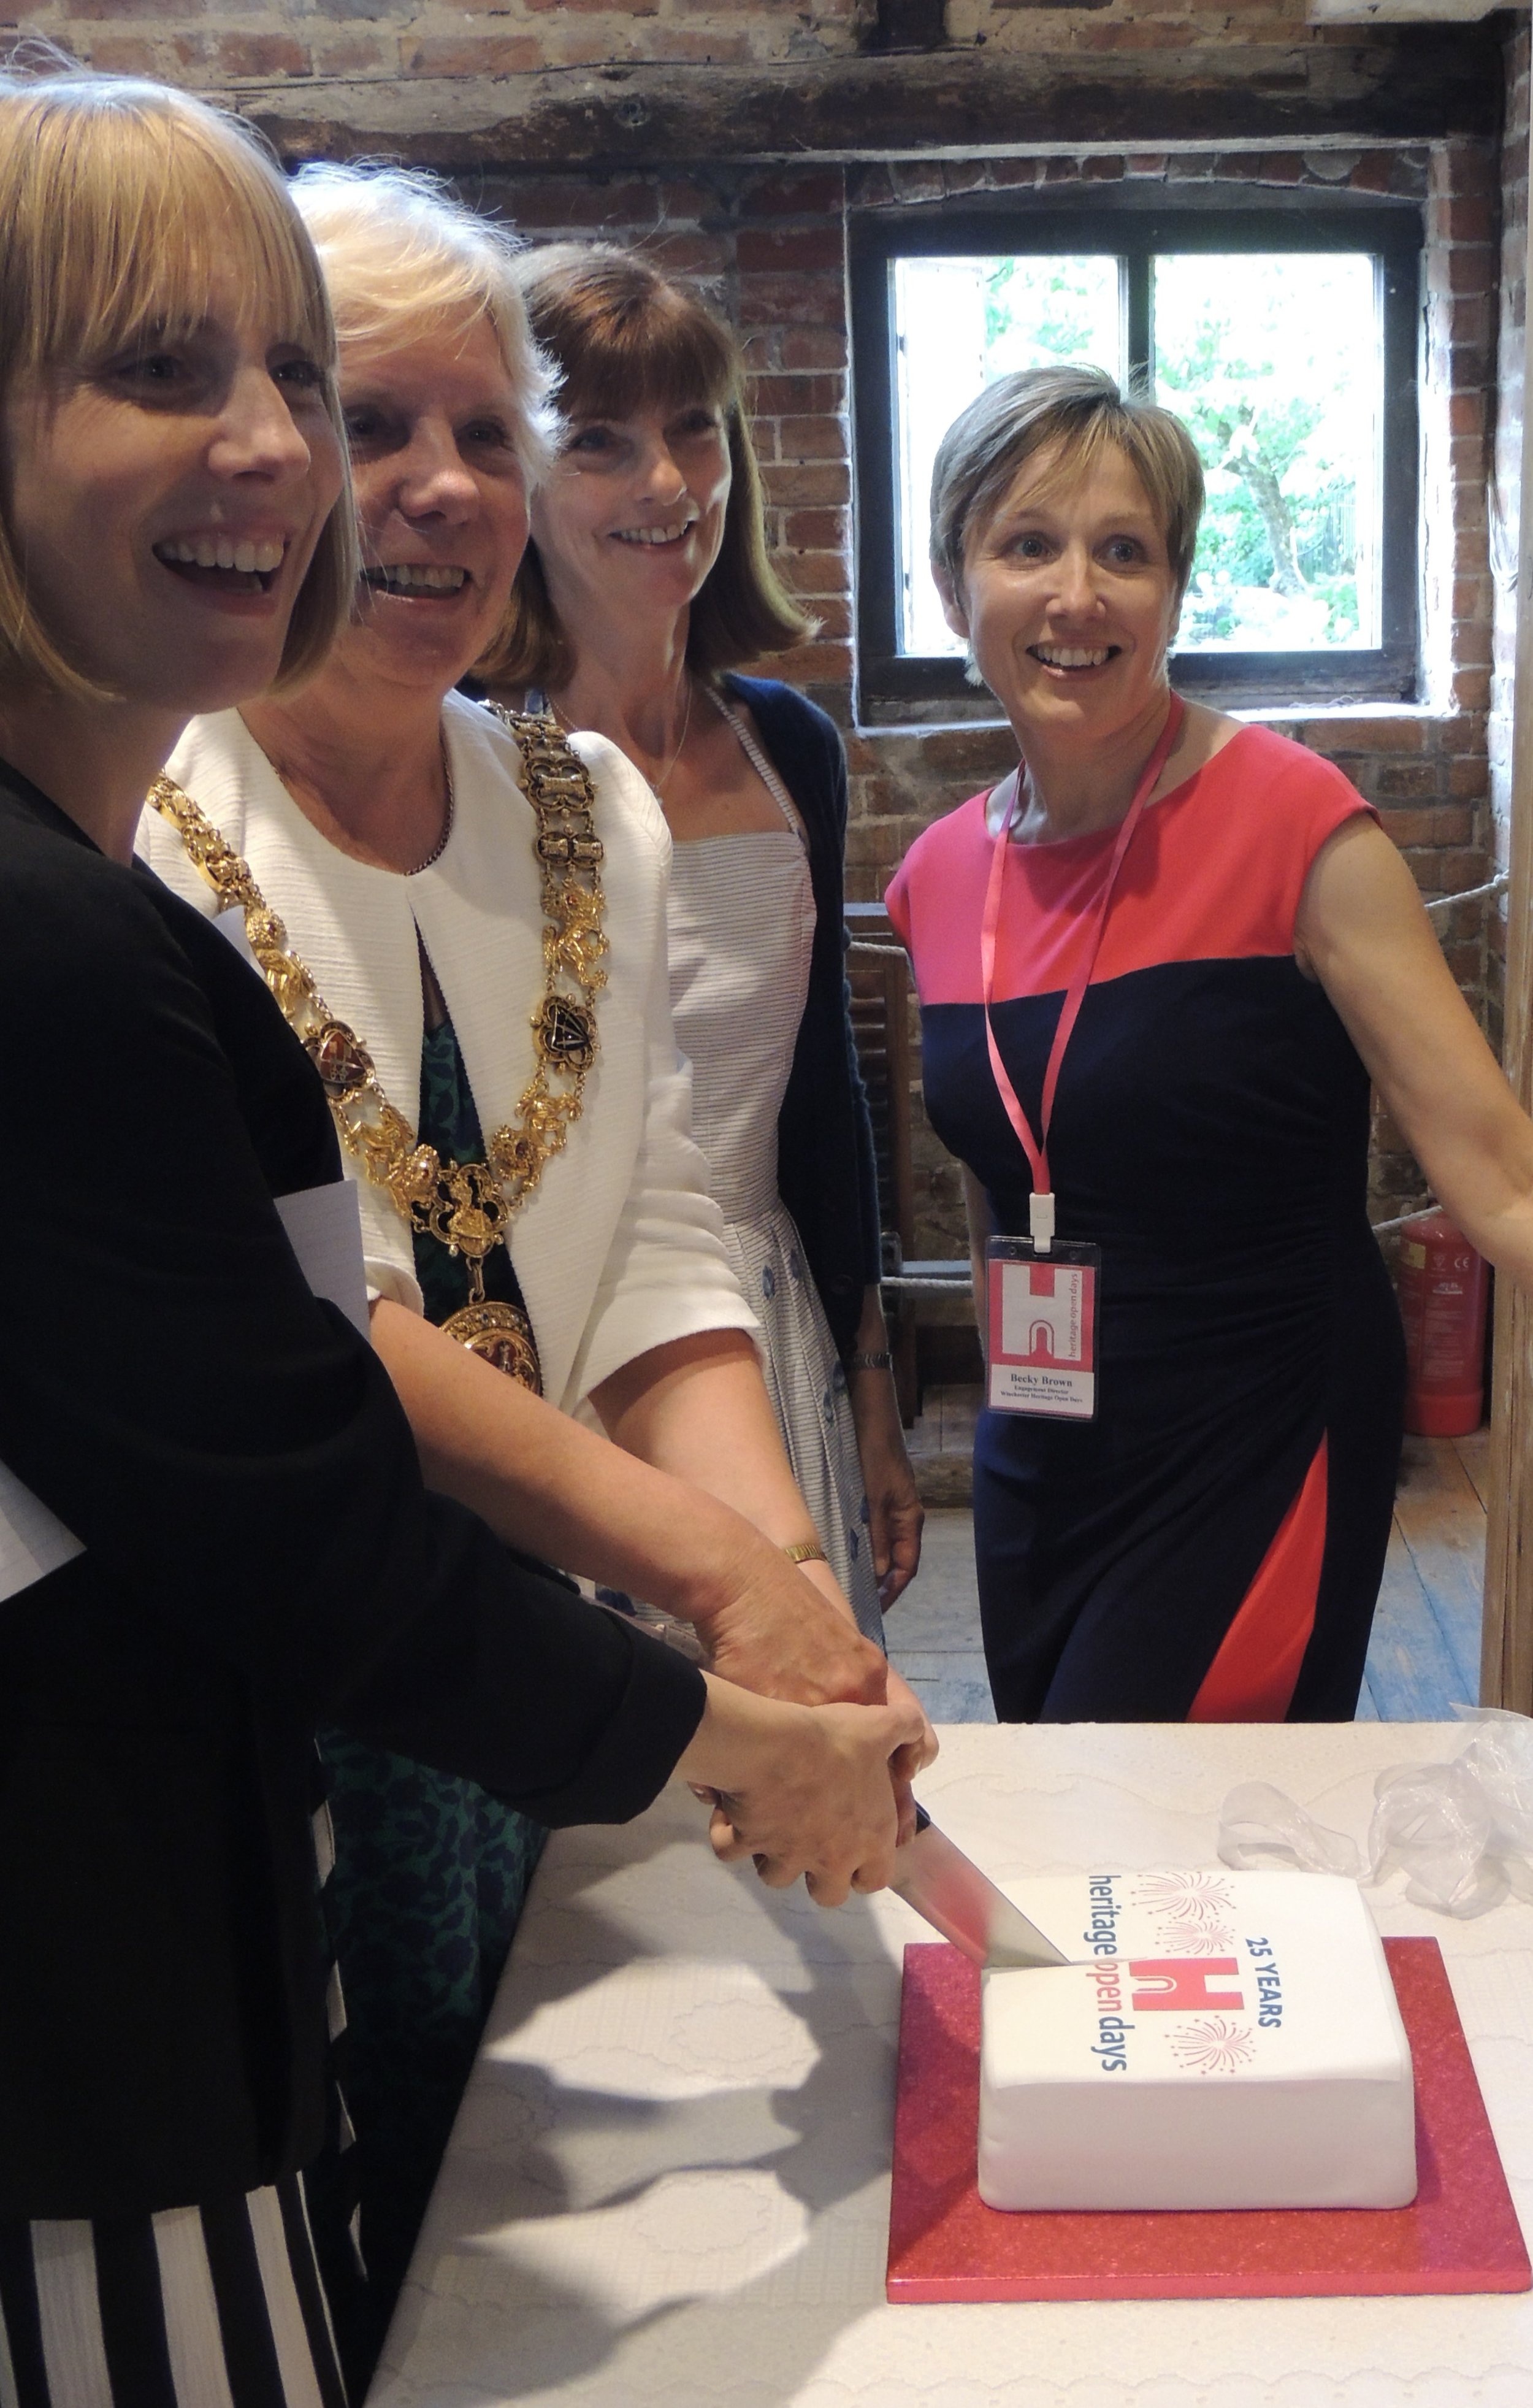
(741, 918)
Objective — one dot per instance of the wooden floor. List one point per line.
(1424, 1657)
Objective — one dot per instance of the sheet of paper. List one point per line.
(231, 923)
(33, 1540)
(324, 1230)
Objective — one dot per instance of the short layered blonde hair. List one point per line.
(1076, 413)
(403, 257)
(121, 204)
(624, 338)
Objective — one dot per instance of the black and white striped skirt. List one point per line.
(217, 2306)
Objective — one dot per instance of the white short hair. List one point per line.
(402, 256)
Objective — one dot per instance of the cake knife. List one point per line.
(964, 1904)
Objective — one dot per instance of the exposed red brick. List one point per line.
(1373, 172)
(811, 663)
(1467, 413)
(1420, 829)
(793, 301)
(812, 347)
(1467, 777)
(816, 531)
(785, 397)
(1471, 689)
(1338, 737)
(812, 439)
(812, 195)
(133, 54)
(805, 484)
(684, 251)
(352, 51)
(472, 54)
(780, 249)
(243, 55)
(1145, 163)
(1405, 782)
(1469, 220)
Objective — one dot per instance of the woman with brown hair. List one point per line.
(1158, 965)
(645, 585)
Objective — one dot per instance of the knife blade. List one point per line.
(964, 1904)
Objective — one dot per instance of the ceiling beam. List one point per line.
(1396, 83)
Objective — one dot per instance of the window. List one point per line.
(1288, 341)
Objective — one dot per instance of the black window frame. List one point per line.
(893, 686)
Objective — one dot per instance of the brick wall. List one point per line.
(770, 242)
(1505, 495)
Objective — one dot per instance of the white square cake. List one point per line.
(1230, 2040)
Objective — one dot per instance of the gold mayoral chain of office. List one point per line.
(466, 1207)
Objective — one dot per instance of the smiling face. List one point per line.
(165, 503)
(1068, 600)
(630, 522)
(441, 505)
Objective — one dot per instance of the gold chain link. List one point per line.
(466, 1207)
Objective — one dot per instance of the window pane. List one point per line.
(1275, 361)
(959, 323)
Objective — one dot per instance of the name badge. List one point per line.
(1041, 1324)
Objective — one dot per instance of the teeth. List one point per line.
(655, 535)
(1058, 657)
(408, 576)
(222, 552)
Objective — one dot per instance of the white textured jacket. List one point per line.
(620, 1247)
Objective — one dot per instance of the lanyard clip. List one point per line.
(1040, 1221)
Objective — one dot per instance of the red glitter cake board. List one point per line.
(1461, 2234)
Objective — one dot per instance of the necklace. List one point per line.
(441, 846)
(466, 1207)
(657, 785)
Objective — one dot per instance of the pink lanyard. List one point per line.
(1042, 1205)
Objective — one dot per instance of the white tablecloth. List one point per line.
(668, 2186)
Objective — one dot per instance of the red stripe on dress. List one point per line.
(1252, 1677)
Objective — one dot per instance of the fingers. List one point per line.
(917, 1743)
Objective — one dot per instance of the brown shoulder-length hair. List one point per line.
(624, 338)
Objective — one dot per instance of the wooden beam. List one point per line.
(1506, 1665)
(1396, 82)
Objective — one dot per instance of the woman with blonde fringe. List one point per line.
(213, 1531)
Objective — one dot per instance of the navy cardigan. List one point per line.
(825, 1172)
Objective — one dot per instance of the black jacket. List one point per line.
(825, 1171)
(260, 1556)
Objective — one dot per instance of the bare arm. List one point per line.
(1363, 932)
(894, 1511)
(547, 1486)
(698, 1408)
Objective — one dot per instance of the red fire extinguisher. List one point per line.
(1442, 1283)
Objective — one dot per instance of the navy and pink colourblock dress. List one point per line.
(1210, 1547)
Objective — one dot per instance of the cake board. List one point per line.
(1461, 2234)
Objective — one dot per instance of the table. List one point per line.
(668, 2185)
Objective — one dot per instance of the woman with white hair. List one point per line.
(469, 925)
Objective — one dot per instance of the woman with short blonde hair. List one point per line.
(214, 1534)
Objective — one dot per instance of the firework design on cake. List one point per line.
(1191, 1909)
(1215, 2044)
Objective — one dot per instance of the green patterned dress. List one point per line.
(430, 1871)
